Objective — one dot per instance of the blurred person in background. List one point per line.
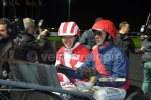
(124, 41)
(87, 38)
(32, 47)
(146, 61)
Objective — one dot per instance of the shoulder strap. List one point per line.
(98, 62)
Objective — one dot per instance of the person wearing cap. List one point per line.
(72, 54)
(87, 38)
(110, 62)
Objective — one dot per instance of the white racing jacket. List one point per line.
(72, 58)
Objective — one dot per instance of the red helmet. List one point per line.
(68, 28)
(106, 26)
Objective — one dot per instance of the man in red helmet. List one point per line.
(110, 62)
(72, 54)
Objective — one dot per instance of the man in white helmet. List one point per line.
(72, 54)
(110, 62)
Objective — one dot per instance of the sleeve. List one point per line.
(84, 54)
(119, 71)
(57, 57)
(15, 52)
(37, 45)
(86, 65)
(132, 46)
(118, 42)
(147, 45)
(57, 62)
(138, 51)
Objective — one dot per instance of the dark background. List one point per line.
(84, 12)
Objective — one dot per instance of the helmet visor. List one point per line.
(98, 32)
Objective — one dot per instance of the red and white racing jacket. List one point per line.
(72, 58)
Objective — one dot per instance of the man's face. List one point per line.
(3, 31)
(99, 37)
(126, 28)
(31, 30)
(68, 41)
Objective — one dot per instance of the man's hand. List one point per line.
(142, 49)
(88, 72)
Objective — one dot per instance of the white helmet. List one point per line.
(68, 28)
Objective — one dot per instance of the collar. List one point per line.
(77, 44)
(105, 48)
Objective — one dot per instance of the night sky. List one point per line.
(84, 12)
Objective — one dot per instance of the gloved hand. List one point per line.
(90, 72)
(59, 68)
(94, 72)
(59, 65)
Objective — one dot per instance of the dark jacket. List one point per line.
(146, 57)
(9, 50)
(125, 43)
(48, 56)
(32, 49)
(87, 39)
(30, 46)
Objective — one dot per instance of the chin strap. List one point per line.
(107, 39)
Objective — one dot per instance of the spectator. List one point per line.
(146, 61)
(110, 62)
(31, 47)
(124, 41)
(126, 44)
(72, 54)
(87, 38)
(8, 49)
